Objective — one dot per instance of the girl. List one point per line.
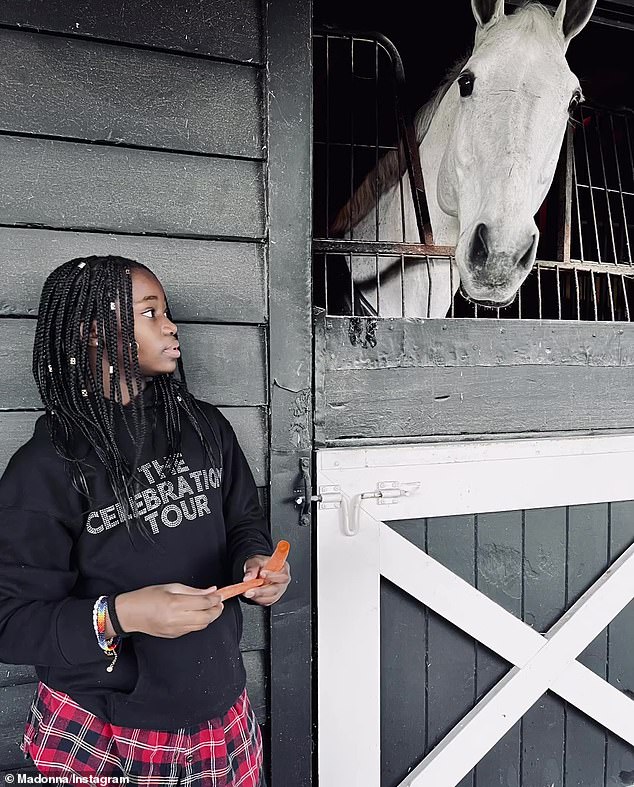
(120, 518)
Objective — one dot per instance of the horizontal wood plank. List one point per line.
(249, 423)
(223, 28)
(451, 377)
(15, 702)
(446, 401)
(224, 364)
(213, 281)
(95, 91)
(70, 185)
(409, 343)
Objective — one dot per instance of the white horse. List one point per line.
(489, 142)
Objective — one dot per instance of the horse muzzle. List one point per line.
(491, 271)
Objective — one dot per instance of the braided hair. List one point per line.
(75, 295)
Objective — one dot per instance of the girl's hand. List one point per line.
(168, 611)
(276, 581)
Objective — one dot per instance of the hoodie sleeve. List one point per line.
(41, 622)
(245, 522)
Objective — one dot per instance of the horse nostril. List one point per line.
(479, 248)
(526, 258)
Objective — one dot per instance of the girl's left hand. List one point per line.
(276, 581)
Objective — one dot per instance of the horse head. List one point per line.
(501, 124)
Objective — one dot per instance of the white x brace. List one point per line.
(541, 662)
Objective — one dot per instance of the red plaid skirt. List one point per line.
(64, 739)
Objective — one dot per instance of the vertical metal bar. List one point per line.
(402, 285)
(539, 290)
(579, 224)
(627, 304)
(565, 197)
(378, 285)
(605, 184)
(475, 310)
(451, 298)
(351, 268)
(558, 294)
(327, 223)
(326, 283)
(351, 133)
(590, 189)
(577, 293)
(399, 148)
(429, 286)
(497, 313)
(618, 175)
(519, 302)
(610, 296)
(594, 296)
(376, 139)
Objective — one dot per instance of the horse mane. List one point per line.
(393, 165)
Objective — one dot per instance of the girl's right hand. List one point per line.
(168, 610)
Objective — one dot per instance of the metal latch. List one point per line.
(328, 497)
(387, 493)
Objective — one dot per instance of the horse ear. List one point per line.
(572, 16)
(487, 12)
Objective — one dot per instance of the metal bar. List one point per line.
(602, 189)
(402, 285)
(362, 145)
(579, 223)
(334, 246)
(627, 303)
(558, 292)
(327, 200)
(594, 296)
(576, 272)
(407, 130)
(352, 136)
(605, 182)
(565, 197)
(594, 213)
(376, 139)
(539, 290)
(618, 175)
(610, 296)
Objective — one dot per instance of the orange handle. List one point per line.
(274, 563)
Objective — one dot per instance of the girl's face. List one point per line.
(156, 334)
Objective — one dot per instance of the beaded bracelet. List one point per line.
(109, 646)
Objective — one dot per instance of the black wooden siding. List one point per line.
(535, 564)
(137, 129)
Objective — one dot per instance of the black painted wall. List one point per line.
(138, 129)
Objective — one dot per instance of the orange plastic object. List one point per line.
(274, 563)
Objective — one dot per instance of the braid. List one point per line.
(75, 295)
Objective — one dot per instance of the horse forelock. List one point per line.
(534, 18)
(393, 165)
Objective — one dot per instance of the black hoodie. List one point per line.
(59, 553)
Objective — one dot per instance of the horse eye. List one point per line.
(574, 102)
(465, 81)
